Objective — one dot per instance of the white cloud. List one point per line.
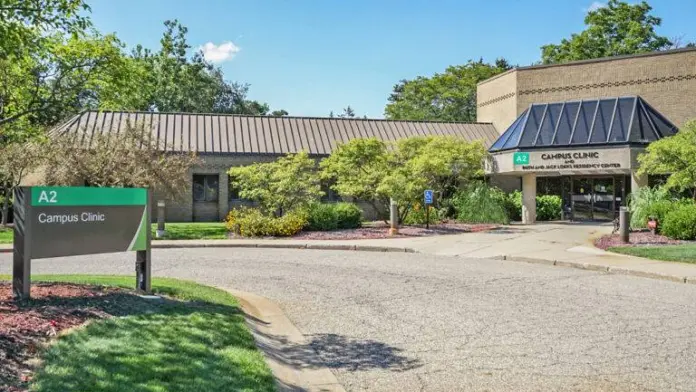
(596, 5)
(219, 53)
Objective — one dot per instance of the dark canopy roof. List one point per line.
(604, 121)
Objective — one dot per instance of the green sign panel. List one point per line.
(68, 221)
(521, 158)
(78, 196)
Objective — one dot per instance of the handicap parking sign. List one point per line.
(428, 195)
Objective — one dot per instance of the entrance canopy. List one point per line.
(585, 123)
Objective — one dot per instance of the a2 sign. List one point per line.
(67, 221)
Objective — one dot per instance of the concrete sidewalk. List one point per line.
(562, 244)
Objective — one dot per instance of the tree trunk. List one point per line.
(5, 208)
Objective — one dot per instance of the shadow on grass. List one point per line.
(162, 344)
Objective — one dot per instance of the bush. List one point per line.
(480, 203)
(349, 215)
(251, 222)
(548, 207)
(640, 203)
(680, 223)
(659, 210)
(326, 217)
(416, 216)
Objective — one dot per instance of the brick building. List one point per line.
(223, 141)
(605, 111)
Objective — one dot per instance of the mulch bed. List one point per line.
(381, 230)
(26, 327)
(640, 238)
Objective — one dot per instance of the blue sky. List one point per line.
(311, 57)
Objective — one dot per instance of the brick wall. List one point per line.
(497, 100)
(666, 80)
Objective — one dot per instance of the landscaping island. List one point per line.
(92, 333)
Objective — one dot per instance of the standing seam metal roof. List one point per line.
(235, 134)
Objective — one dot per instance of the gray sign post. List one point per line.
(66, 221)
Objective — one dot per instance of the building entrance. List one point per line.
(597, 198)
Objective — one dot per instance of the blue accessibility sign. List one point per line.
(428, 196)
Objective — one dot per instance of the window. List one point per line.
(330, 195)
(205, 187)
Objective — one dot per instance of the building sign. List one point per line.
(520, 158)
(68, 221)
(565, 161)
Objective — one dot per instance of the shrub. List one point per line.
(325, 217)
(639, 204)
(480, 203)
(416, 215)
(680, 223)
(659, 210)
(548, 207)
(251, 222)
(513, 206)
(349, 215)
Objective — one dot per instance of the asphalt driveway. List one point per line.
(412, 322)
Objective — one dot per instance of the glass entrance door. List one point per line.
(603, 199)
(582, 198)
(595, 198)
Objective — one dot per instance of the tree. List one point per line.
(619, 28)
(279, 113)
(676, 156)
(281, 186)
(449, 96)
(133, 157)
(356, 169)
(24, 23)
(17, 160)
(348, 112)
(443, 164)
(174, 82)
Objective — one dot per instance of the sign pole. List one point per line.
(21, 263)
(143, 258)
(427, 216)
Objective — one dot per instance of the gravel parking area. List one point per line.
(417, 322)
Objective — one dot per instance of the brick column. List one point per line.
(223, 195)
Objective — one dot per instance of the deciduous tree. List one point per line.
(448, 96)
(288, 183)
(619, 28)
(676, 156)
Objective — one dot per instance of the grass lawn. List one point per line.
(682, 253)
(6, 236)
(193, 231)
(175, 231)
(201, 345)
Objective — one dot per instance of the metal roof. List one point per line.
(601, 121)
(236, 134)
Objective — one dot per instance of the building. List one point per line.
(223, 141)
(576, 129)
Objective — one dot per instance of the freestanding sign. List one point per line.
(428, 199)
(67, 221)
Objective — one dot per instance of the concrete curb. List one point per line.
(275, 335)
(600, 268)
(314, 246)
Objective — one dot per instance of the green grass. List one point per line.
(175, 231)
(681, 253)
(193, 231)
(6, 236)
(183, 346)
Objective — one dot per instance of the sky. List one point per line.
(311, 57)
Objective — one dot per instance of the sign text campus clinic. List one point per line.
(68, 221)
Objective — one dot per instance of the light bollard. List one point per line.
(624, 223)
(161, 232)
(393, 217)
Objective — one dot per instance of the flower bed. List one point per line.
(641, 238)
(382, 231)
